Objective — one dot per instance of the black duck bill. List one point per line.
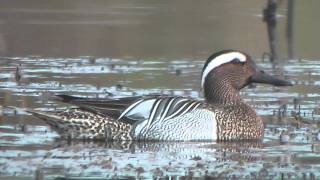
(262, 77)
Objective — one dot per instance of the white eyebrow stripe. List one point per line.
(219, 60)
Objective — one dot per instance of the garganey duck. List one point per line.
(221, 116)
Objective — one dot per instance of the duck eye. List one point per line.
(237, 61)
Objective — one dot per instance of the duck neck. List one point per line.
(221, 91)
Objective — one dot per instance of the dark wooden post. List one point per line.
(289, 31)
(269, 16)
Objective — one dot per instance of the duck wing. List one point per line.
(104, 106)
(136, 109)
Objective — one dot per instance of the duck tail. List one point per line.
(54, 121)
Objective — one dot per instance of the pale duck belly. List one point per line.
(198, 124)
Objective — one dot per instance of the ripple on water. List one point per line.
(28, 147)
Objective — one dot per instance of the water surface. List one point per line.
(29, 148)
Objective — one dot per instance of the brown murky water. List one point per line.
(125, 48)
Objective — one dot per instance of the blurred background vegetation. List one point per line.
(152, 29)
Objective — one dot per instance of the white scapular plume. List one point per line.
(219, 60)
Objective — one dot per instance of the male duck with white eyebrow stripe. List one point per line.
(222, 116)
